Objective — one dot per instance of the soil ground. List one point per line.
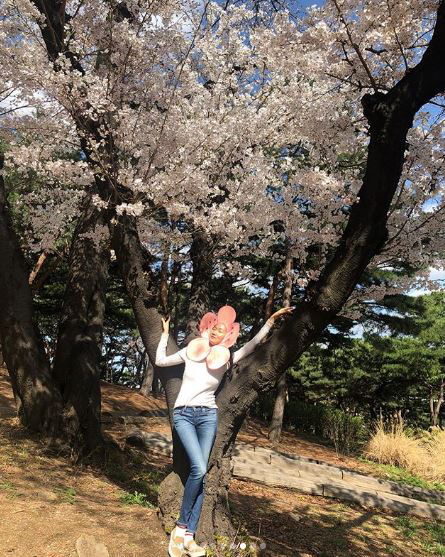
(47, 502)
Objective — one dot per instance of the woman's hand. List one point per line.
(165, 325)
(280, 313)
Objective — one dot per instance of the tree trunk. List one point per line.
(271, 296)
(276, 424)
(435, 406)
(50, 264)
(148, 377)
(201, 252)
(77, 359)
(175, 302)
(40, 262)
(163, 286)
(38, 402)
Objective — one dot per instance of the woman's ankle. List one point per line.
(180, 531)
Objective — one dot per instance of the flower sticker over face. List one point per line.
(218, 334)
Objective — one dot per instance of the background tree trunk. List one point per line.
(77, 359)
(175, 280)
(436, 405)
(38, 401)
(147, 378)
(271, 296)
(276, 424)
(163, 286)
(201, 254)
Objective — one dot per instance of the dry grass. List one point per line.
(423, 455)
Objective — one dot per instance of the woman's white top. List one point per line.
(199, 383)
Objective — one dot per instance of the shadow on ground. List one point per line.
(295, 525)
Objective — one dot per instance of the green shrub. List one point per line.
(346, 431)
(305, 417)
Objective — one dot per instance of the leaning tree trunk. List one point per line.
(77, 359)
(276, 424)
(390, 116)
(37, 399)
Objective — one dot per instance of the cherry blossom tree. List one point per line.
(218, 133)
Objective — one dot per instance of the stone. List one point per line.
(87, 546)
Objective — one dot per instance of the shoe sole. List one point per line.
(196, 554)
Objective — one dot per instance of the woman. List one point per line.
(195, 413)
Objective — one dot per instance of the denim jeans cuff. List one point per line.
(181, 525)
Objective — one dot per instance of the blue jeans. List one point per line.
(196, 427)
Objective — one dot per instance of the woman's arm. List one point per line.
(262, 333)
(162, 360)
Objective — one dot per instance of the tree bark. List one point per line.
(147, 379)
(276, 424)
(38, 402)
(163, 286)
(271, 296)
(201, 254)
(77, 359)
(435, 406)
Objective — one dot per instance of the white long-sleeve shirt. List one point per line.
(199, 383)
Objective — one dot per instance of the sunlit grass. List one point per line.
(429, 535)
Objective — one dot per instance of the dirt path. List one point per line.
(47, 504)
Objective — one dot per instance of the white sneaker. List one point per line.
(176, 545)
(192, 549)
